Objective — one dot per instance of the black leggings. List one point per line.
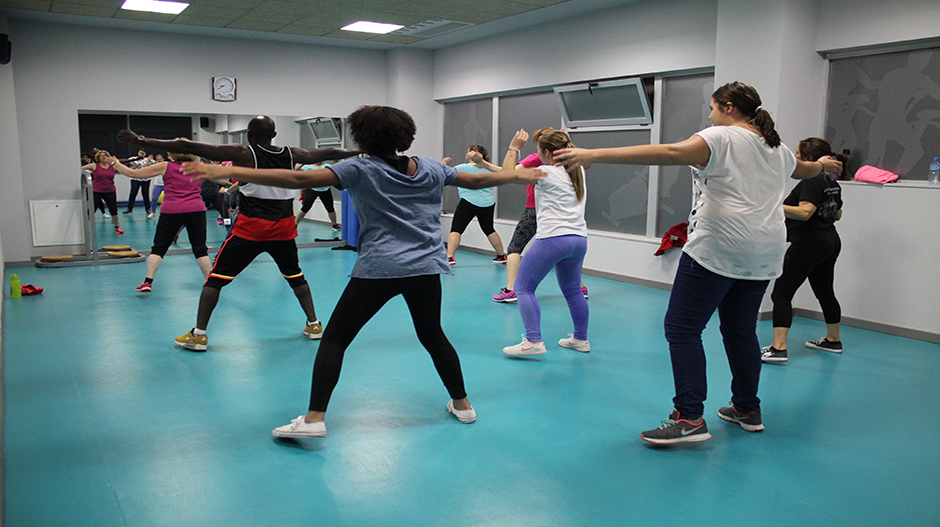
(813, 259)
(310, 196)
(361, 300)
(466, 211)
(105, 198)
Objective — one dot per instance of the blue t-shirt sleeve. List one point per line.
(450, 174)
(348, 172)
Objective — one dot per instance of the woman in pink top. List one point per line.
(182, 206)
(102, 186)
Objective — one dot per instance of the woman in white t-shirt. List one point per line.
(735, 247)
(560, 244)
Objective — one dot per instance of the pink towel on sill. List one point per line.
(870, 174)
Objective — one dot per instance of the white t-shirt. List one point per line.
(736, 227)
(557, 208)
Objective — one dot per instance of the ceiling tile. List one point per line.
(89, 10)
(255, 25)
(200, 10)
(295, 8)
(297, 29)
(541, 3)
(202, 21)
(101, 3)
(353, 35)
(269, 17)
(422, 10)
(233, 4)
(34, 5)
(396, 39)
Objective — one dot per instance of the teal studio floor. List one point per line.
(106, 423)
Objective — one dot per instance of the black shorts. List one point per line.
(466, 211)
(236, 253)
(169, 225)
(310, 196)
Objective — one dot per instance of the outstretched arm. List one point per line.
(312, 156)
(808, 169)
(238, 154)
(512, 154)
(274, 177)
(692, 151)
(141, 173)
(523, 176)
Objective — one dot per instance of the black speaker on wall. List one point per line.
(204, 122)
(5, 48)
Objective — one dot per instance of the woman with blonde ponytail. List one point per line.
(735, 247)
(560, 244)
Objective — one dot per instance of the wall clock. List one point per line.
(223, 89)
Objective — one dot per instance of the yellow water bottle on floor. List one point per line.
(15, 290)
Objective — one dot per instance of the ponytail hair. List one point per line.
(746, 99)
(813, 148)
(556, 140)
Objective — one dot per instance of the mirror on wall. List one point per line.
(98, 129)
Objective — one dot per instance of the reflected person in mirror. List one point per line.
(265, 222)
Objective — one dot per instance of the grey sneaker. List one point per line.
(771, 354)
(677, 430)
(749, 421)
(826, 345)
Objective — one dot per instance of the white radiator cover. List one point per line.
(56, 222)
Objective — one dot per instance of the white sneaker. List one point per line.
(576, 344)
(464, 416)
(106, 215)
(298, 428)
(525, 348)
(150, 215)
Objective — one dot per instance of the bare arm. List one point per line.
(512, 154)
(803, 212)
(312, 156)
(141, 173)
(808, 169)
(524, 176)
(238, 154)
(275, 177)
(692, 151)
(89, 166)
(477, 159)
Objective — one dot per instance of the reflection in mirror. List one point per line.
(98, 130)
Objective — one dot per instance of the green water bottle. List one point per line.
(15, 290)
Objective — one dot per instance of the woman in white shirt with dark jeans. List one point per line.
(736, 245)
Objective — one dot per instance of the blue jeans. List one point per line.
(696, 293)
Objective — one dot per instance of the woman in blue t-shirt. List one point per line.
(398, 200)
(811, 209)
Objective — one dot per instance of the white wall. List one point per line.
(850, 23)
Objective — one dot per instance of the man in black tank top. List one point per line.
(265, 222)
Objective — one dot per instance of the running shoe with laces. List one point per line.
(336, 227)
(192, 342)
(505, 296)
(674, 429)
(314, 331)
(750, 421)
(451, 261)
(150, 214)
(771, 354)
(118, 230)
(576, 344)
(499, 259)
(464, 416)
(145, 287)
(525, 348)
(106, 215)
(826, 345)
(584, 291)
(299, 429)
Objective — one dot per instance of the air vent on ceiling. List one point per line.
(430, 28)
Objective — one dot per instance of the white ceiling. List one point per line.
(315, 21)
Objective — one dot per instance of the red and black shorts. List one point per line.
(236, 253)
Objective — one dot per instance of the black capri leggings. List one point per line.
(813, 259)
(466, 211)
(103, 198)
(310, 196)
(169, 225)
(361, 300)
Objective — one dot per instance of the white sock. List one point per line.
(197, 332)
(312, 323)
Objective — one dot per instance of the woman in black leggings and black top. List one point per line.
(811, 209)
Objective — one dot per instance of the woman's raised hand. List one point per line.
(519, 140)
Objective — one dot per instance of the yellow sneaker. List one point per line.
(314, 331)
(192, 342)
